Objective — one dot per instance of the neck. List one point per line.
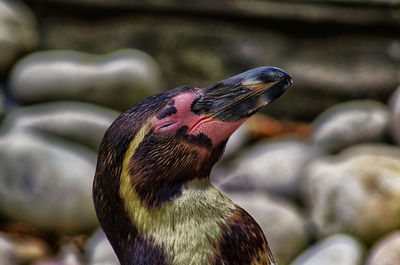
(189, 225)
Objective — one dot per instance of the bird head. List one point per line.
(177, 136)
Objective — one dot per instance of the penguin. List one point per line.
(152, 191)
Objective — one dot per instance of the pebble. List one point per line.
(18, 33)
(7, 252)
(349, 123)
(46, 182)
(386, 251)
(30, 249)
(69, 255)
(280, 220)
(117, 80)
(356, 191)
(99, 250)
(272, 166)
(237, 140)
(80, 122)
(335, 250)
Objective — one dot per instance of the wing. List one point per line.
(243, 242)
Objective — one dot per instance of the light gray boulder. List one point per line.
(118, 79)
(81, 122)
(18, 32)
(349, 123)
(386, 251)
(99, 250)
(273, 166)
(281, 221)
(334, 250)
(357, 191)
(8, 254)
(46, 182)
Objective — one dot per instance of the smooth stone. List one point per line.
(7, 251)
(99, 250)
(80, 122)
(236, 141)
(30, 249)
(334, 250)
(69, 255)
(118, 79)
(386, 251)
(395, 115)
(273, 165)
(281, 221)
(18, 33)
(349, 123)
(356, 191)
(46, 182)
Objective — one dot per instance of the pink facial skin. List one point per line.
(214, 129)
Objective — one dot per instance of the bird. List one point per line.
(152, 190)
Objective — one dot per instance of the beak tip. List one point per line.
(265, 74)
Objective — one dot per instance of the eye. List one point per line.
(166, 127)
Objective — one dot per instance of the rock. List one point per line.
(281, 222)
(7, 252)
(17, 32)
(80, 122)
(357, 191)
(118, 79)
(334, 250)
(386, 251)
(237, 140)
(29, 249)
(46, 182)
(350, 123)
(395, 117)
(69, 255)
(270, 166)
(99, 250)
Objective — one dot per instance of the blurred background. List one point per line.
(319, 169)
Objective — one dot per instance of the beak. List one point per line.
(242, 95)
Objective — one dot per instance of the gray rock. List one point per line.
(270, 166)
(99, 250)
(395, 115)
(357, 191)
(386, 251)
(117, 79)
(7, 252)
(81, 122)
(237, 140)
(46, 182)
(280, 220)
(350, 123)
(69, 255)
(17, 32)
(334, 250)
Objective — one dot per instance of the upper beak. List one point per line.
(242, 95)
